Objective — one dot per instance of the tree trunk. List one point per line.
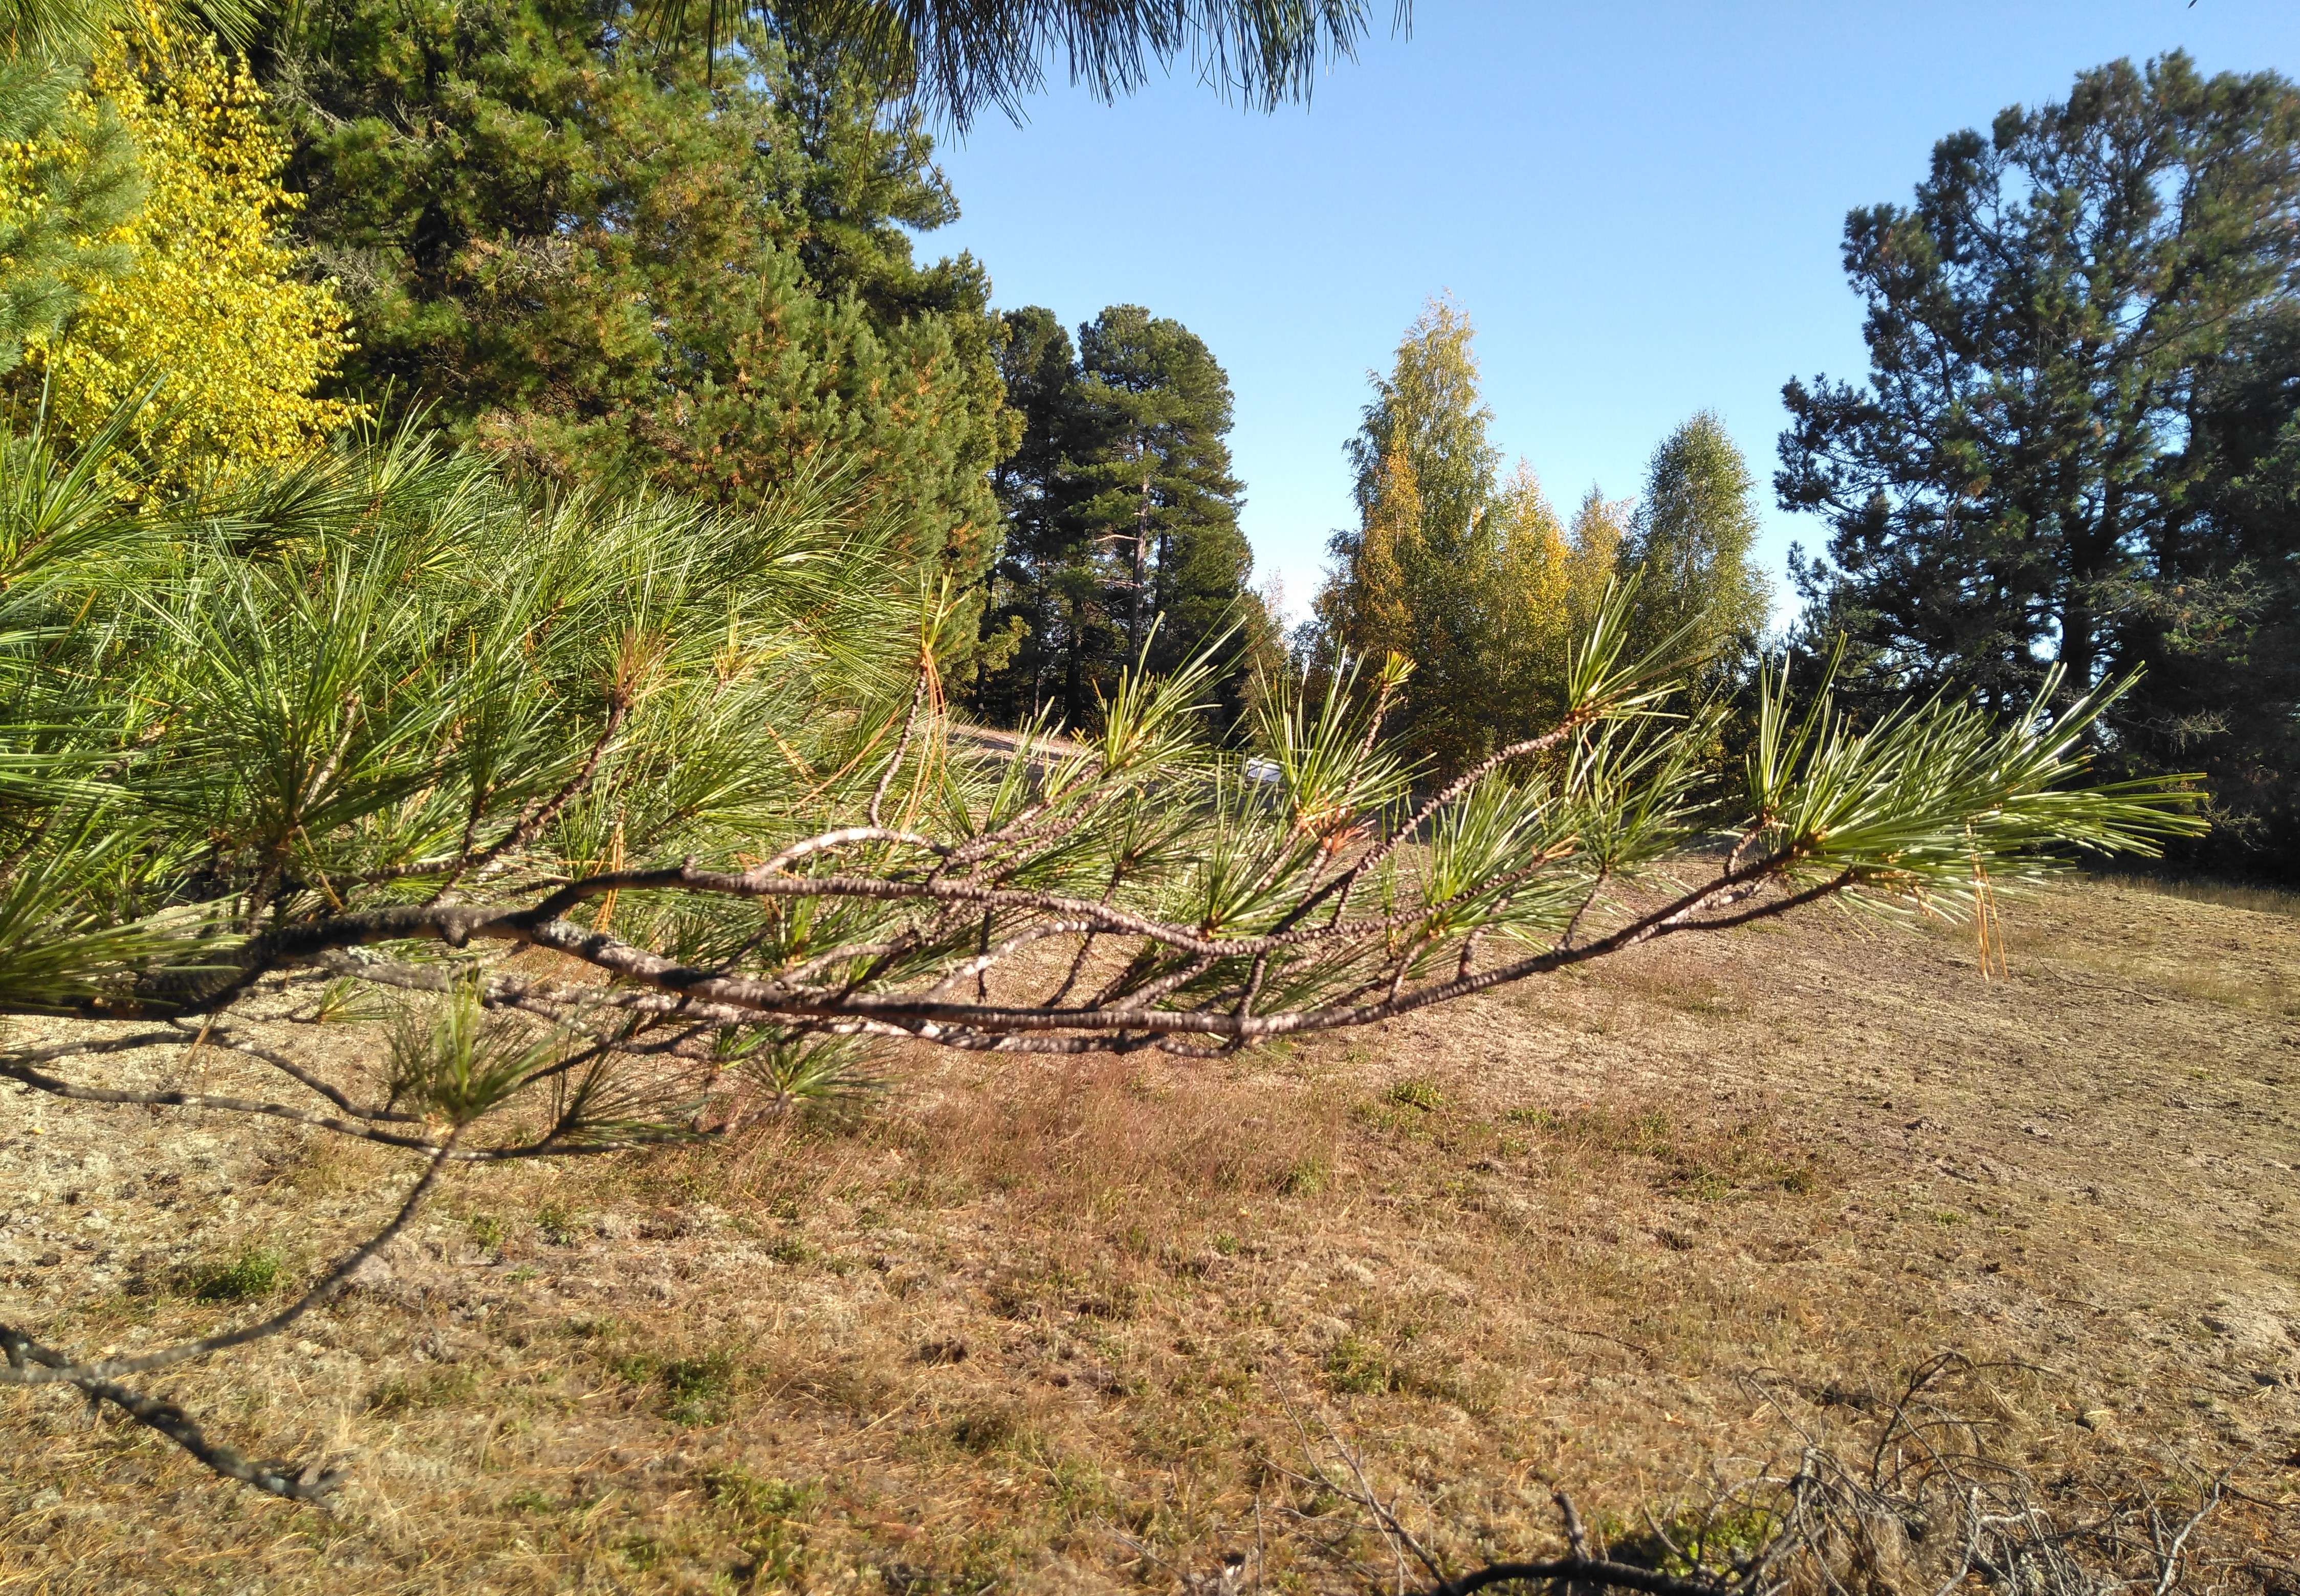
(1141, 555)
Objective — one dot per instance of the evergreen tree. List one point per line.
(1153, 483)
(1121, 514)
(2218, 631)
(68, 180)
(2000, 493)
(572, 250)
(1689, 544)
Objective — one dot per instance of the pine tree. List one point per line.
(1152, 482)
(573, 251)
(1998, 492)
(1122, 532)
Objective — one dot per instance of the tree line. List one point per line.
(609, 266)
(1474, 577)
(2076, 454)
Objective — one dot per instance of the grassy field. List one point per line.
(1048, 1327)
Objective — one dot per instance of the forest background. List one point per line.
(606, 267)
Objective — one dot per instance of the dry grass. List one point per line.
(2228, 895)
(1624, 1234)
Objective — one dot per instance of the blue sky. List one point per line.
(1639, 204)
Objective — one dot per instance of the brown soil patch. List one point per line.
(1625, 1233)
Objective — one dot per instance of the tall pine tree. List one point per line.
(2043, 467)
(1121, 514)
(1153, 478)
(1998, 491)
(614, 265)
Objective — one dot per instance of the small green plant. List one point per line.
(986, 1430)
(755, 1500)
(1415, 1094)
(1079, 1491)
(487, 1231)
(699, 1391)
(254, 1274)
(556, 1222)
(1225, 1243)
(1356, 1368)
(1305, 1178)
(768, 1513)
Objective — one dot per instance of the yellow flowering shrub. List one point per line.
(209, 301)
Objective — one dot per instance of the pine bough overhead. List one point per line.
(324, 750)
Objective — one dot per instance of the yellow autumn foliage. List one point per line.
(1468, 572)
(211, 306)
(1542, 585)
(1372, 613)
